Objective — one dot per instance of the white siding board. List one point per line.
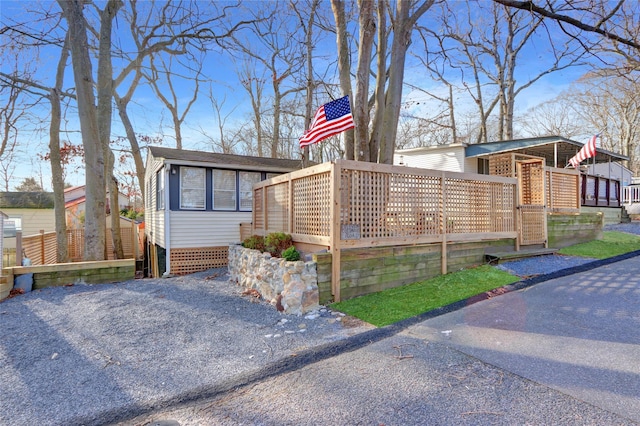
(206, 229)
(450, 159)
(34, 220)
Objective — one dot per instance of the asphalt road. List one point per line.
(561, 352)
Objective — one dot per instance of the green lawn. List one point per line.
(396, 304)
(613, 243)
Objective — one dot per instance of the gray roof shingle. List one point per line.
(224, 159)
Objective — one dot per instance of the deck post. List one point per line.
(335, 229)
(443, 198)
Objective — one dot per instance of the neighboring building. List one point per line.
(602, 177)
(75, 205)
(195, 203)
(474, 158)
(27, 212)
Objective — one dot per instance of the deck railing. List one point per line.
(600, 191)
(631, 194)
(347, 204)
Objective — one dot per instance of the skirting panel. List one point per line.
(189, 260)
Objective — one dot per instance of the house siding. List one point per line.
(33, 220)
(205, 229)
(450, 159)
(154, 219)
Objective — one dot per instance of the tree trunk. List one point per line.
(344, 66)
(95, 221)
(57, 175)
(121, 103)
(381, 81)
(105, 112)
(360, 101)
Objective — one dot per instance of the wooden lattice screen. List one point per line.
(385, 204)
(189, 260)
(563, 190)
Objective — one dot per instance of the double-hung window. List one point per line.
(160, 190)
(224, 189)
(192, 188)
(247, 179)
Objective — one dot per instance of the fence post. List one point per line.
(42, 246)
(18, 261)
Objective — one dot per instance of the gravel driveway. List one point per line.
(91, 354)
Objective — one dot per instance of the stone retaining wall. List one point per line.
(290, 286)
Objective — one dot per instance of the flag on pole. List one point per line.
(330, 119)
(587, 151)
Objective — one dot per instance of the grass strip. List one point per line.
(395, 304)
(613, 243)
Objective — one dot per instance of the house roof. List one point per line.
(547, 147)
(224, 160)
(26, 200)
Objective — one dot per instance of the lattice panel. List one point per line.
(190, 260)
(531, 181)
(563, 192)
(532, 224)
(312, 205)
(258, 213)
(278, 208)
(502, 165)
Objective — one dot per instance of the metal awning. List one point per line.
(555, 150)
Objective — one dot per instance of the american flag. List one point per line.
(587, 151)
(330, 119)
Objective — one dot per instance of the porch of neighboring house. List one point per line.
(631, 201)
(374, 226)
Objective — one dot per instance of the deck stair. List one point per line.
(494, 258)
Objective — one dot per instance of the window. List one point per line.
(224, 189)
(160, 190)
(192, 188)
(483, 166)
(247, 179)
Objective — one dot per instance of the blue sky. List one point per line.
(150, 117)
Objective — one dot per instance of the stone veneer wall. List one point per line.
(293, 284)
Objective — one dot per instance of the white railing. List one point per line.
(631, 194)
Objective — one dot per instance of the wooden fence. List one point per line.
(348, 204)
(41, 248)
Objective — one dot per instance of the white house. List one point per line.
(602, 177)
(195, 202)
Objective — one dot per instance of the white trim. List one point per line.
(167, 224)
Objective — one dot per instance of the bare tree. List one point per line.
(618, 22)
(610, 106)
(226, 140)
(161, 69)
(94, 242)
(273, 44)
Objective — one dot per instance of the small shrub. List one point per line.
(254, 242)
(291, 254)
(277, 242)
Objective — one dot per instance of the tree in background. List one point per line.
(29, 185)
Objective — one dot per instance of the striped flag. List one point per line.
(587, 151)
(330, 119)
